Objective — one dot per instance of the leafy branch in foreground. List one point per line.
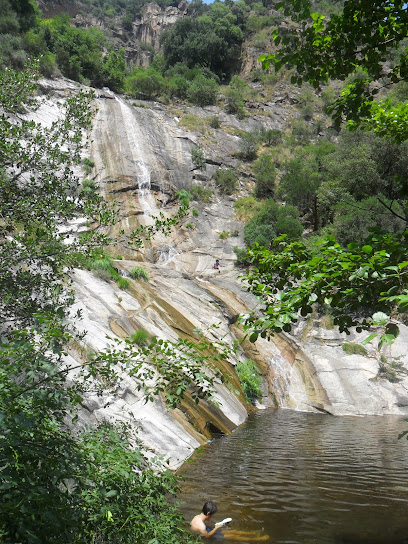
(161, 224)
(362, 37)
(353, 282)
(56, 484)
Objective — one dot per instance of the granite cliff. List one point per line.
(142, 157)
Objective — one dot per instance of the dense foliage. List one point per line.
(56, 485)
(212, 40)
(357, 42)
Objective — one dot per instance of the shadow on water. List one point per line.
(305, 478)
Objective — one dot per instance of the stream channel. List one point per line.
(305, 478)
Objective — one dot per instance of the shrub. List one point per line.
(87, 165)
(234, 99)
(144, 83)
(184, 197)
(198, 158)
(241, 255)
(198, 192)
(248, 146)
(123, 283)
(88, 186)
(195, 212)
(140, 337)
(226, 180)
(273, 219)
(177, 86)
(265, 176)
(250, 379)
(301, 131)
(202, 91)
(271, 137)
(224, 235)
(139, 273)
(214, 122)
(190, 226)
(351, 348)
(247, 207)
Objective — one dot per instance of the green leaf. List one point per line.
(392, 329)
(380, 318)
(369, 338)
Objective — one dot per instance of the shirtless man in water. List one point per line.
(209, 509)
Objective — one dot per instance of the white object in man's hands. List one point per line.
(223, 522)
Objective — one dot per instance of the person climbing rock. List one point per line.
(217, 265)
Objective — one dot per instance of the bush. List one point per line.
(144, 83)
(242, 257)
(139, 273)
(247, 207)
(235, 97)
(198, 158)
(184, 197)
(198, 192)
(271, 137)
(195, 212)
(177, 86)
(249, 146)
(89, 187)
(226, 180)
(87, 165)
(224, 235)
(190, 226)
(351, 348)
(214, 122)
(273, 220)
(250, 379)
(203, 91)
(140, 337)
(265, 176)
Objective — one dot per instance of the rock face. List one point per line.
(142, 157)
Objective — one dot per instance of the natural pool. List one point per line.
(305, 478)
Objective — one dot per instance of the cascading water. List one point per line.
(165, 252)
(288, 384)
(146, 199)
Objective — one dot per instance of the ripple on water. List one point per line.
(306, 478)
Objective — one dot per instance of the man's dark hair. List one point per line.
(209, 508)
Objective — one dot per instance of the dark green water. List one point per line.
(306, 478)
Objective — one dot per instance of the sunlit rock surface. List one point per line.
(142, 157)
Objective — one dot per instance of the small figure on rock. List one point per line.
(217, 265)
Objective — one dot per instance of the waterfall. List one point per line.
(288, 384)
(166, 253)
(134, 137)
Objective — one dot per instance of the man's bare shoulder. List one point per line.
(198, 525)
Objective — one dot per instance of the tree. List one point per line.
(212, 40)
(360, 37)
(273, 219)
(265, 177)
(56, 485)
(358, 282)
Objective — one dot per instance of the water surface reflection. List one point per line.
(307, 478)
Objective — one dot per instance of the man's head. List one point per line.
(209, 508)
